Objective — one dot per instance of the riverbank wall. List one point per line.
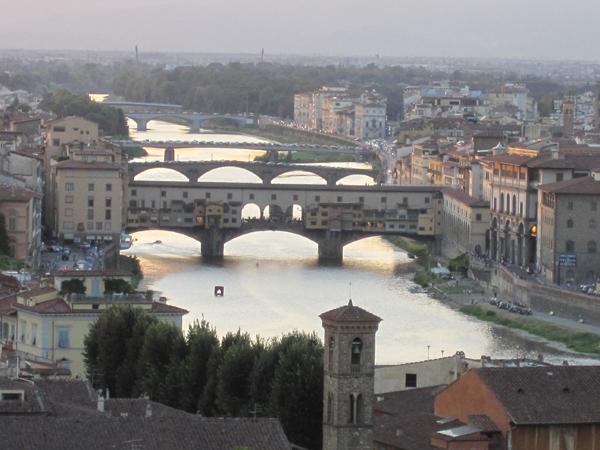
(563, 303)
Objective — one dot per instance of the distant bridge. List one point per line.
(193, 119)
(331, 216)
(131, 107)
(193, 170)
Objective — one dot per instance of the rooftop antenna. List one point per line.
(137, 56)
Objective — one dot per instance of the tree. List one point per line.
(297, 391)
(112, 349)
(72, 286)
(117, 285)
(202, 343)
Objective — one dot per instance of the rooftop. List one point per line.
(349, 313)
(580, 186)
(546, 395)
(465, 198)
(82, 165)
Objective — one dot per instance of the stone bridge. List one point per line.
(193, 119)
(193, 170)
(331, 216)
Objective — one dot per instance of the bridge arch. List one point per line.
(295, 212)
(160, 174)
(251, 211)
(356, 180)
(237, 174)
(297, 177)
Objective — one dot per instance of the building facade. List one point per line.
(89, 200)
(569, 230)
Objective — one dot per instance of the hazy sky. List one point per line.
(556, 29)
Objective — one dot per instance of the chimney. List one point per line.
(100, 401)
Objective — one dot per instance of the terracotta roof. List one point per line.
(163, 308)
(546, 395)
(405, 419)
(34, 292)
(6, 303)
(505, 158)
(465, 198)
(581, 185)
(81, 165)
(62, 414)
(14, 193)
(349, 313)
(54, 306)
(564, 162)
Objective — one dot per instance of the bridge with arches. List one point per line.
(331, 216)
(267, 172)
(195, 120)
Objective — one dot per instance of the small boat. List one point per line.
(219, 291)
(157, 242)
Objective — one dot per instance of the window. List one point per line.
(68, 212)
(478, 216)
(570, 223)
(570, 246)
(108, 202)
(559, 177)
(63, 337)
(361, 199)
(58, 129)
(410, 380)
(90, 226)
(98, 226)
(134, 192)
(108, 186)
(356, 350)
(229, 196)
(594, 206)
(591, 246)
(69, 186)
(90, 202)
(251, 196)
(90, 214)
(570, 206)
(23, 329)
(68, 199)
(185, 194)
(295, 197)
(273, 196)
(12, 224)
(163, 193)
(426, 199)
(55, 142)
(90, 186)
(207, 195)
(33, 334)
(355, 409)
(317, 198)
(68, 225)
(107, 226)
(340, 199)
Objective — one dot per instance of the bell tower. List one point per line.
(349, 361)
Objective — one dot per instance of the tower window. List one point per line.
(331, 348)
(356, 352)
(356, 409)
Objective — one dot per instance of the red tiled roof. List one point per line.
(37, 291)
(546, 395)
(565, 162)
(81, 165)
(349, 313)
(465, 198)
(581, 185)
(163, 308)
(7, 303)
(15, 193)
(55, 306)
(505, 158)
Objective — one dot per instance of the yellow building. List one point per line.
(39, 326)
(89, 200)
(61, 135)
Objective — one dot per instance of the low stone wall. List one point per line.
(567, 304)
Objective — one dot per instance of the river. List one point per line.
(274, 282)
